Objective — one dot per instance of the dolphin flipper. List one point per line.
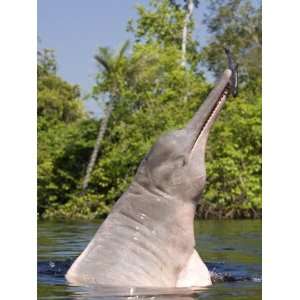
(195, 273)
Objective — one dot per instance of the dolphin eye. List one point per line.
(180, 161)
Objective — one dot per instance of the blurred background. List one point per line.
(115, 75)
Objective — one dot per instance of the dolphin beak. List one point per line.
(209, 110)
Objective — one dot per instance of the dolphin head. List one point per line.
(175, 166)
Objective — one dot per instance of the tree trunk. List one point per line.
(185, 32)
(97, 146)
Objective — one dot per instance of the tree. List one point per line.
(65, 135)
(57, 99)
(112, 66)
(189, 6)
(235, 24)
(46, 62)
(164, 23)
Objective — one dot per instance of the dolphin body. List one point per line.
(148, 238)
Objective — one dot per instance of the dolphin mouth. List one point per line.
(214, 113)
(211, 118)
(208, 112)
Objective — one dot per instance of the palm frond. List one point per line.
(105, 58)
(121, 52)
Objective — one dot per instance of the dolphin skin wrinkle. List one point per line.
(148, 238)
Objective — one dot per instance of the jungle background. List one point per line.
(147, 87)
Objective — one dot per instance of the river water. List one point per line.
(231, 249)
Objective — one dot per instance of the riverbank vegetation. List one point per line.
(153, 85)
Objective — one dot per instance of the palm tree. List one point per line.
(111, 64)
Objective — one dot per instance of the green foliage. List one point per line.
(233, 158)
(235, 24)
(58, 101)
(162, 24)
(65, 136)
(46, 62)
(63, 150)
(113, 69)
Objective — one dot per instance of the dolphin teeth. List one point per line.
(222, 98)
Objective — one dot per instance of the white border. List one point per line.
(281, 151)
(18, 149)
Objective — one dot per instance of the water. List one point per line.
(231, 249)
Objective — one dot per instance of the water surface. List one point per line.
(231, 249)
